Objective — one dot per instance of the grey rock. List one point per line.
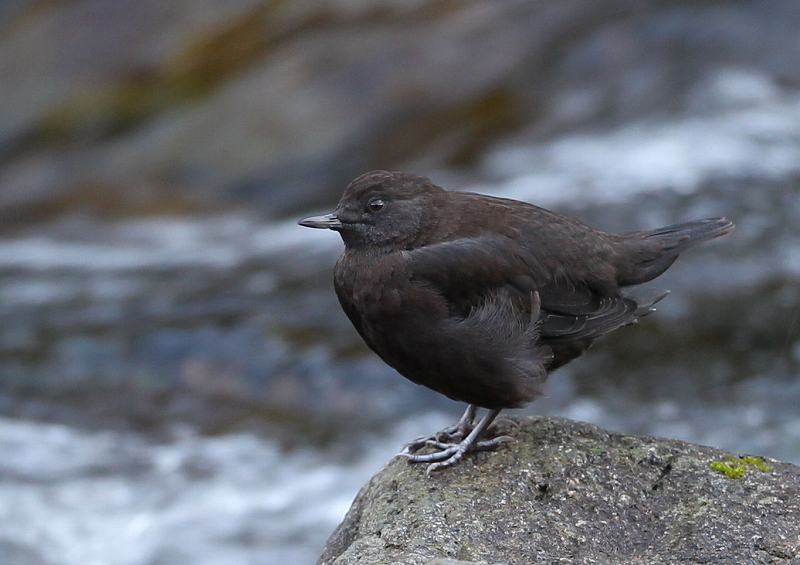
(456, 562)
(569, 492)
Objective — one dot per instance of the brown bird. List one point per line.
(480, 298)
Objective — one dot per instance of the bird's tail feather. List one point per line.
(657, 249)
(679, 237)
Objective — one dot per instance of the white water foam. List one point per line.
(77, 497)
(741, 126)
(220, 242)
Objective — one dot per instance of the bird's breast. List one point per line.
(373, 285)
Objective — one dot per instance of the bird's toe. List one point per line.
(429, 457)
(448, 454)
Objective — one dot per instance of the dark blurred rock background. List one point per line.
(140, 106)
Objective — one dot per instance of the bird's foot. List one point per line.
(450, 453)
(449, 435)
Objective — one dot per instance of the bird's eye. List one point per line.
(375, 205)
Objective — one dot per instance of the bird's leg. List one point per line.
(462, 428)
(451, 453)
(449, 434)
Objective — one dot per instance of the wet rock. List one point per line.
(187, 105)
(568, 492)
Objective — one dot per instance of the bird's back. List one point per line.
(579, 271)
(562, 248)
(560, 256)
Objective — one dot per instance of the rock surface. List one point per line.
(568, 492)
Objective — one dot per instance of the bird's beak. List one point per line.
(328, 221)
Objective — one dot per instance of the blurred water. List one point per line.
(740, 125)
(130, 499)
(100, 313)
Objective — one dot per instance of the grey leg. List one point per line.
(449, 434)
(463, 427)
(451, 453)
(465, 424)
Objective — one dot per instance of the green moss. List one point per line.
(731, 468)
(736, 467)
(756, 462)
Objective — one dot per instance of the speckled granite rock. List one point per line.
(568, 492)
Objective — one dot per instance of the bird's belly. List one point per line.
(428, 356)
(410, 327)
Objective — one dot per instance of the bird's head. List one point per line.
(381, 211)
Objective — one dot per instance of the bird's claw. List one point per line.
(449, 435)
(450, 453)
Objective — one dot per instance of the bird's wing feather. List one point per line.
(612, 313)
(465, 271)
(480, 263)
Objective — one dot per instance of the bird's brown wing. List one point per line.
(467, 271)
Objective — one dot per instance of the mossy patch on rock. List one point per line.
(736, 467)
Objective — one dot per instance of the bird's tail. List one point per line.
(655, 250)
(677, 238)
